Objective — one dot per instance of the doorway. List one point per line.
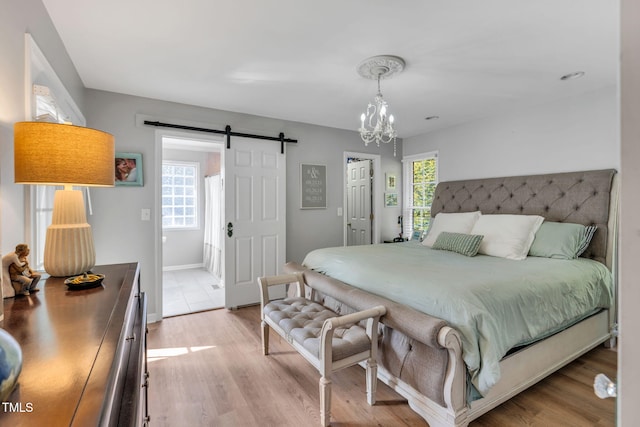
(362, 198)
(191, 206)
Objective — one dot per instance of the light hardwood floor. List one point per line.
(207, 369)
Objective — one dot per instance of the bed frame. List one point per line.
(420, 356)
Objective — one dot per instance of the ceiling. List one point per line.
(296, 60)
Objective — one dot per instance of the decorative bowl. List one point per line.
(84, 281)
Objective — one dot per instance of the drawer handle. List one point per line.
(131, 338)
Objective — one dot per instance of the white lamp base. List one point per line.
(69, 249)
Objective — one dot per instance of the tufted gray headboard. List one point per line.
(585, 198)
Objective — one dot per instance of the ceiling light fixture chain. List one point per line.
(376, 123)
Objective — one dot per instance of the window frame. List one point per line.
(407, 180)
(196, 195)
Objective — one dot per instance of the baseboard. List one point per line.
(182, 267)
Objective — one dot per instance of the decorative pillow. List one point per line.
(451, 222)
(507, 236)
(561, 240)
(465, 244)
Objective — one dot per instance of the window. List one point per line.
(420, 179)
(179, 195)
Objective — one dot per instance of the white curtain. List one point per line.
(212, 225)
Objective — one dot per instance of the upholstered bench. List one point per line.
(328, 341)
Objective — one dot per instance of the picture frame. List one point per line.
(390, 200)
(313, 186)
(390, 181)
(128, 169)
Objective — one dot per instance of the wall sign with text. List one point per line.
(313, 186)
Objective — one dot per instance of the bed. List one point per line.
(455, 361)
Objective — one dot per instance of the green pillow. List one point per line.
(465, 244)
(561, 240)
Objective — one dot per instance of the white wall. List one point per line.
(16, 19)
(578, 133)
(120, 235)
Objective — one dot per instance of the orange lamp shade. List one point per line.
(59, 154)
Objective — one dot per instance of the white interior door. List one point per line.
(359, 203)
(254, 226)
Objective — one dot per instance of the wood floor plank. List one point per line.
(207, 369)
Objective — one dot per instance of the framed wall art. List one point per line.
(390, 200)
(313, 186)
(128, 169)
(391, 181)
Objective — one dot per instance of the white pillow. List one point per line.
(507, 236)
(451, 222)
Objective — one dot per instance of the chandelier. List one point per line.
(376, 123)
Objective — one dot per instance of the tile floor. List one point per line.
(189, 291)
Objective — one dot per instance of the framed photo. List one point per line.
(390, 199)
(313, 186)
(391, 181)
(129, 169)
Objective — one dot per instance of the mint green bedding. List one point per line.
(495, 303)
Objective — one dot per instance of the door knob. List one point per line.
(230, 229)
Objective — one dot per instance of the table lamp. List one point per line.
(67, 155)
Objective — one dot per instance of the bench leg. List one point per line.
(265, 338)
(325, 401)
(372, 380)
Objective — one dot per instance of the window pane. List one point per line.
(179, 189)
(420, 187)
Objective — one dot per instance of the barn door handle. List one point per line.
(230, 229)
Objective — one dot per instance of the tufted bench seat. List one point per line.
(328, 341)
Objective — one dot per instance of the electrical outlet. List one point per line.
(145, 214)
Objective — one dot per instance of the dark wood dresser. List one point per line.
(84, 353)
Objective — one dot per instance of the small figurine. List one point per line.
(23, 279)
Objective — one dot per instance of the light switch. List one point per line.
(339, 211)
(145, 214)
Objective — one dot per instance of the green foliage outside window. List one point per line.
(424, 185)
